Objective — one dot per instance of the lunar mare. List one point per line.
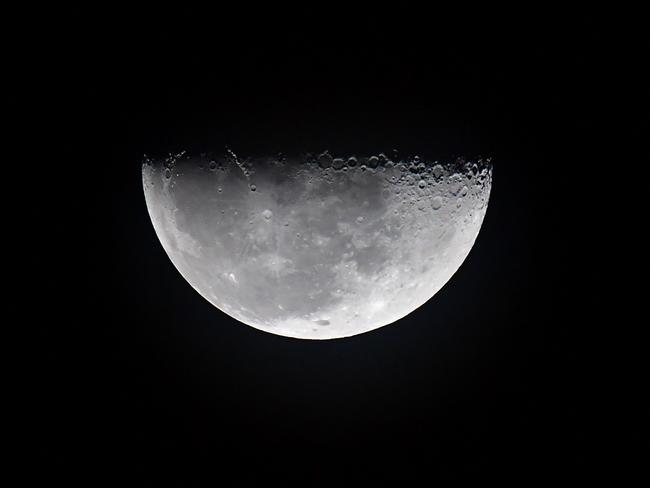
(316, 247)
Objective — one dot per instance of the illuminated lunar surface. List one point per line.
(316, 247)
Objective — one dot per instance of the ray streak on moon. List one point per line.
(316, 247)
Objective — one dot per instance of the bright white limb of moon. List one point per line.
(317, 247)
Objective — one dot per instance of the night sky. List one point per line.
(138, 379)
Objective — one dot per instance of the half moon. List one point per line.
(316, 247)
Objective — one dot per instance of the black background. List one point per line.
(137, 378)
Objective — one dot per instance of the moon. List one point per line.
(316, 246)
